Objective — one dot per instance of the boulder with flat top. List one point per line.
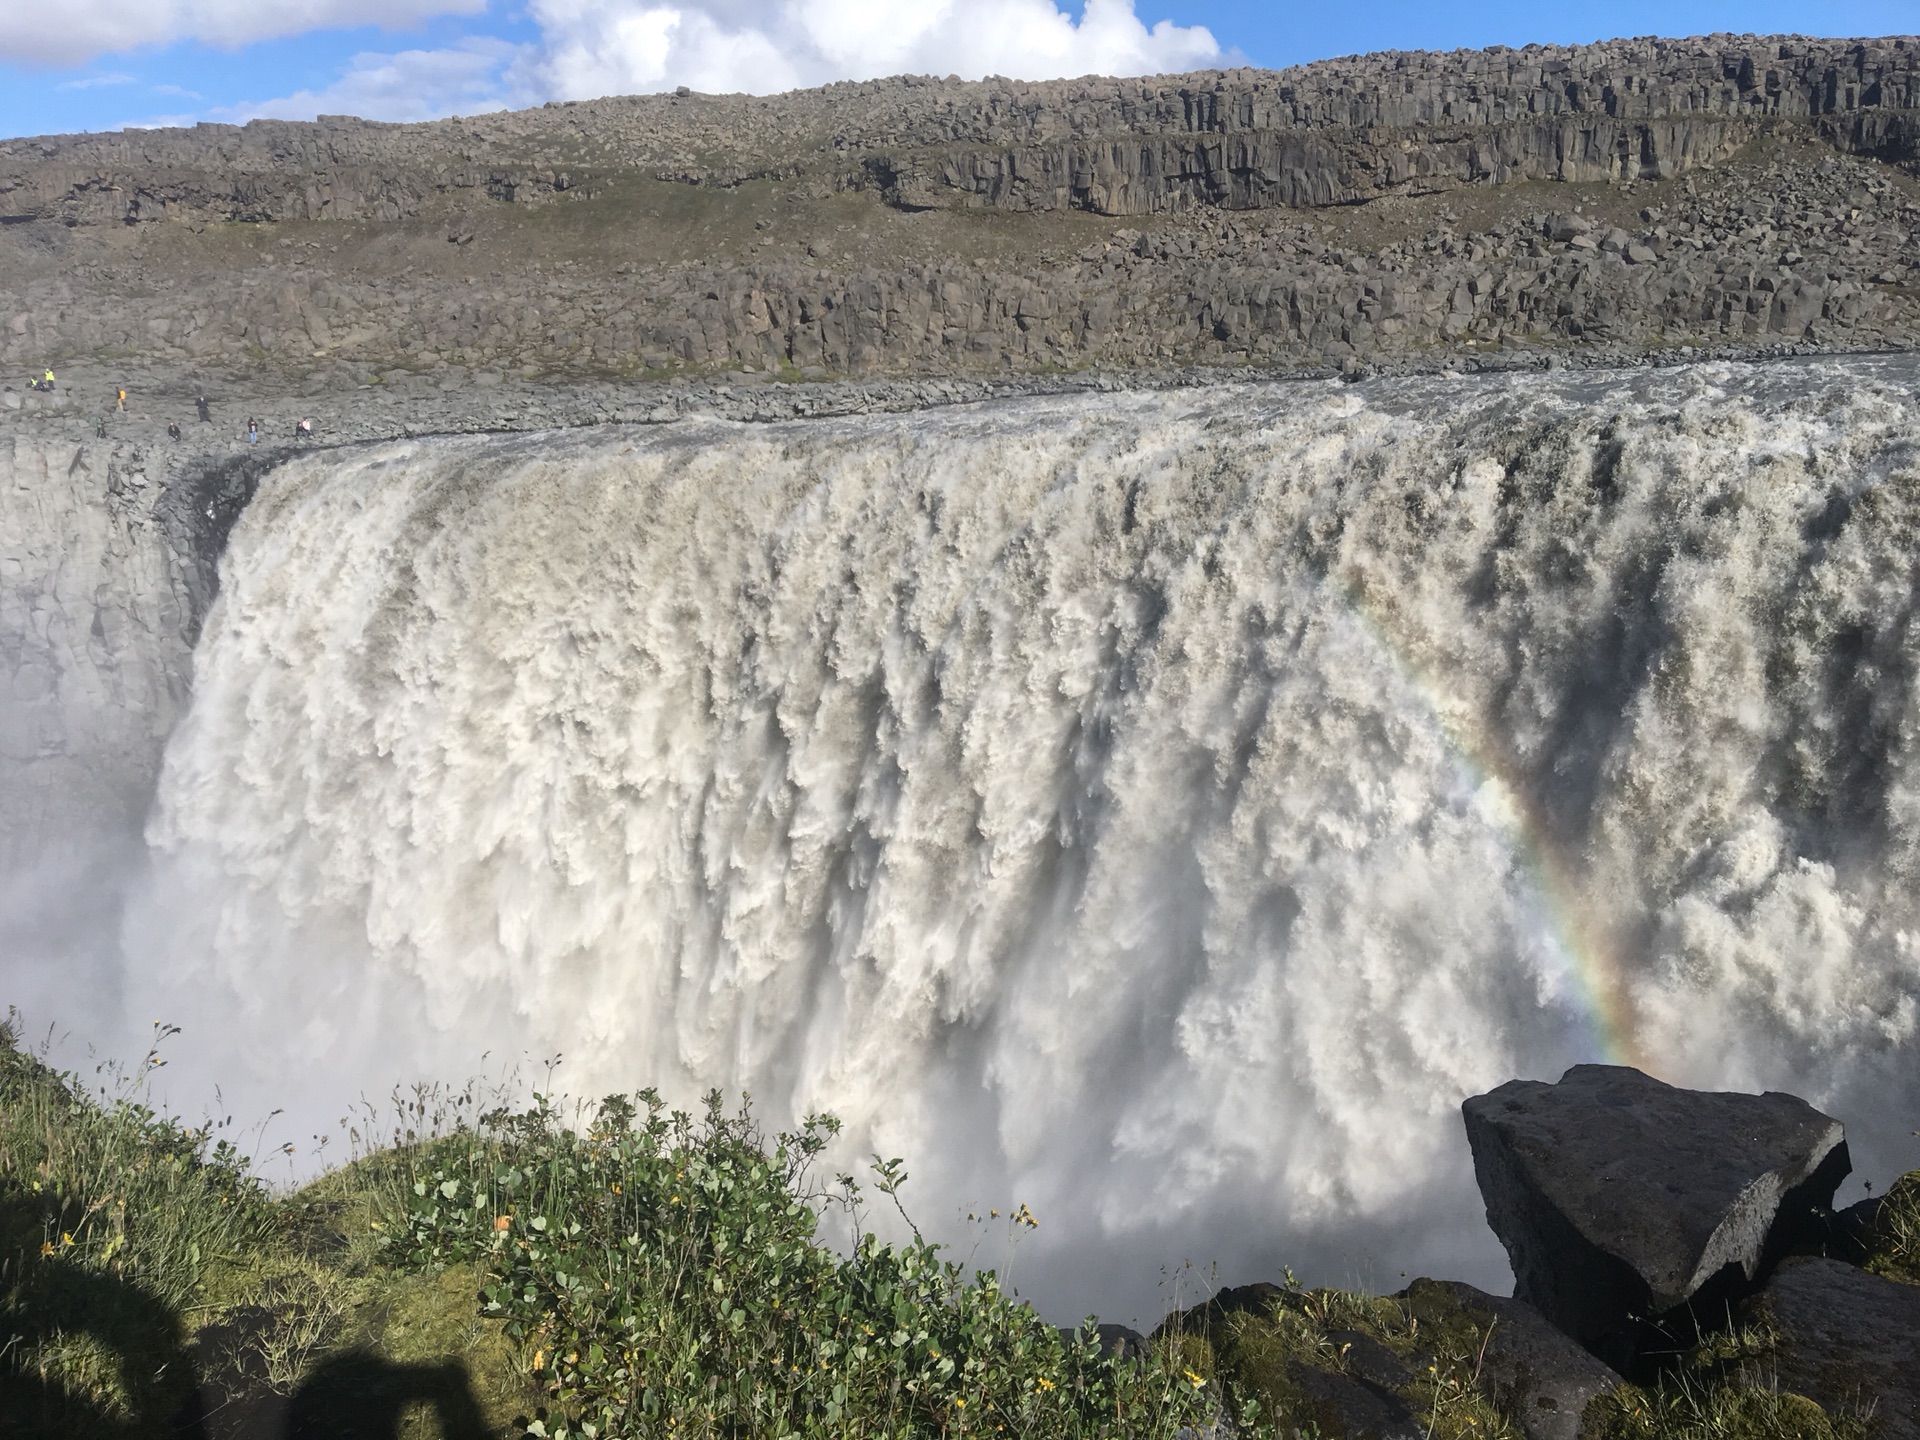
(1636, 1213)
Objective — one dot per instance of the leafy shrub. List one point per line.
(669, 1277)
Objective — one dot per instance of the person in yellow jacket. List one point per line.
(49, 379)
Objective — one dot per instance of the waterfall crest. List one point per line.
(1161, 809)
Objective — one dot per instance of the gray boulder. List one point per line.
(1634, 1212)
(1849, 1340)
(1532, 1371)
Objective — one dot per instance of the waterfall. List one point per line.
(1161, 809)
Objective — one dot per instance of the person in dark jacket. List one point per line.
(206, 415)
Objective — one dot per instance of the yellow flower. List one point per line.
(959, 1404)
(1044, 1383)
(1194, 1380)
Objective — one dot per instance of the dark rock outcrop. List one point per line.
(1532, 1371)
(1850, 1340)
(1257, 1299)
(1633, 1210)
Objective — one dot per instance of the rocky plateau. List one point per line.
(1603, 200)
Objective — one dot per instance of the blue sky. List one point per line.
(100, 64)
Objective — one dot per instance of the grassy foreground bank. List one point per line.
(648, 1273)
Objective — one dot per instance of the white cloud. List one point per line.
(607, 47)
(95, 82)
(476, 75)
(589, 48)
(75, 31)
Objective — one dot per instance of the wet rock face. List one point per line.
(1848, 1338)
(1621, 1200)
(94, 654)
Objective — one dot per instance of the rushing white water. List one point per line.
(1161, 809)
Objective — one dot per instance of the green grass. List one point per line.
(654, 1273)
(146, 1275)
(1264, 1358)
(1895, 1251)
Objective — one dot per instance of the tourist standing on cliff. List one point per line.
(206, 416)
(253, 431)
(120, 400)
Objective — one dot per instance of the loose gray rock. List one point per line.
(1352, 1409)
(1621, 1199)
(1532, 1371)
(1369, 1360)
(1120, 1340)
(1849, 1339)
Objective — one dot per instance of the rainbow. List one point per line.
(1584, 938)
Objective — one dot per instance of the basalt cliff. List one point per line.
(1606, 199)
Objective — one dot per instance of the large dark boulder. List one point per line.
(1529, 1368)
(1633, 1211)
(1849, 1339)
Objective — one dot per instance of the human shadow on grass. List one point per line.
(357, 1396)
(130, 1336)
(128, 1375)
